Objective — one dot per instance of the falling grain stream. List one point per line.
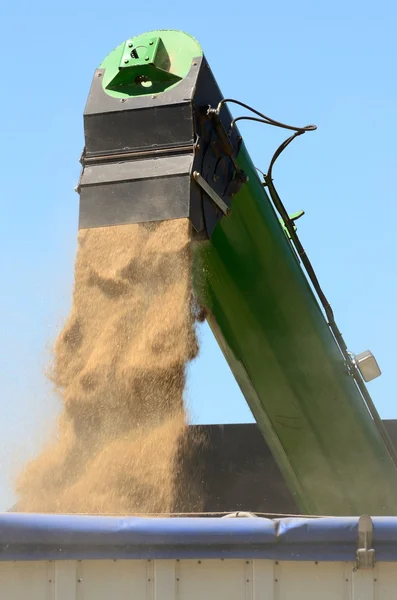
(119, 368)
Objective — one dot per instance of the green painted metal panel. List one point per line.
(278, 345)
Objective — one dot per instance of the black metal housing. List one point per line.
(140, 153)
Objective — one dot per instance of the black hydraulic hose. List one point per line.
(289, 224)
(267, 120)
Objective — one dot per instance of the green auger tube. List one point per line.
(160, 143)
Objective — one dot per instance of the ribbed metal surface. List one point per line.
(194, 580)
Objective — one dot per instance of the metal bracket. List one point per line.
(294, 217)
(211, 193)
(145, 63)
(365, 552)
(145, 52)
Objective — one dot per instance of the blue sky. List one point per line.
(332, 64)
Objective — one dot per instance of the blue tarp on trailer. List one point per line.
(57, 537)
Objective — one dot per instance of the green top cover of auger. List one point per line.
(151, 63)
(261, 307)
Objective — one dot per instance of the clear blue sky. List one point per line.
(332, 64)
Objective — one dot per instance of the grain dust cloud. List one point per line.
(119, 369)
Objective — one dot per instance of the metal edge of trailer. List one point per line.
(25, 537)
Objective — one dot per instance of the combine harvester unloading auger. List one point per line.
(161, 143)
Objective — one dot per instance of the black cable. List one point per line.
(267, 119)
(279, 150)
(289, 224)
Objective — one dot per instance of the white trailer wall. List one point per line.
(195, 580)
